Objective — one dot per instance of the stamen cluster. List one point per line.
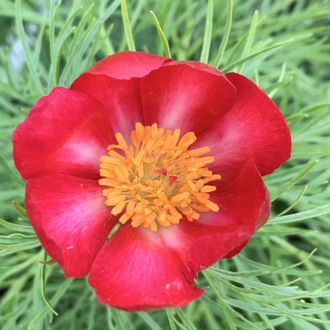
(156, 180)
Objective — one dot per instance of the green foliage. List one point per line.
(279, 281)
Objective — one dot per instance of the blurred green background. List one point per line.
(280, 280)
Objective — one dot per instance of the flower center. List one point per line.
(157, 179)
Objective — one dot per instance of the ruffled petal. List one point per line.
(244, 206)
(65, 132)
(135, 271)
(70, 218)
(186, 95)
(254, 128)
(127, 65)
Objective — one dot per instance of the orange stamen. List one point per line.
(156, 179)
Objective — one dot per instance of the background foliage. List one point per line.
(280, 280)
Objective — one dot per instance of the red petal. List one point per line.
(65, 132)
(254, 128)
(70, 219)
(197, 65)
(263, 216)
(242, 198)
(121, 99)
(243, 201)
(135, 271)
(188, 95)
(126, 65)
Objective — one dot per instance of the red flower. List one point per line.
(116, 147)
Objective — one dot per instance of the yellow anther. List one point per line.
(188, 139)
(118, 208)
(121, 141)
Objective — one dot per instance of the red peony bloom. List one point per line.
(172, 151)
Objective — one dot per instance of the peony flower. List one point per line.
(146, 171)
